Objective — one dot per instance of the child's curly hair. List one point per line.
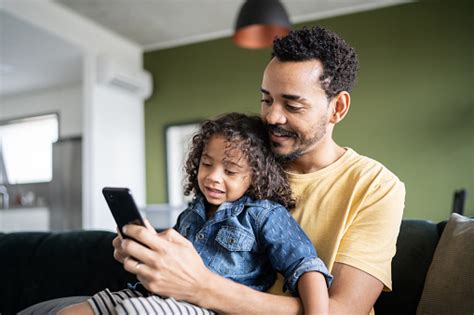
(249, 135)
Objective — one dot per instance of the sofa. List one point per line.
(37, 266)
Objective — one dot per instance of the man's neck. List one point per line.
(321, 155)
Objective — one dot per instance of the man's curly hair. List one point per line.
(249, 135)
(340, 63)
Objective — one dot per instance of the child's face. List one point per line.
(222, 177)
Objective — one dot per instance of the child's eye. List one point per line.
(205, 163)
(228, 172)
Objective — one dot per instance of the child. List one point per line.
(237, 222)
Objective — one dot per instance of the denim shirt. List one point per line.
(248, 241)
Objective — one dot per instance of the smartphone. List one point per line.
(123, 207)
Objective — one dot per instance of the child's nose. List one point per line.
(215, 176)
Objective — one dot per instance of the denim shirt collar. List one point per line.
(225, 210)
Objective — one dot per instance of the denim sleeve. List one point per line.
(290, 251)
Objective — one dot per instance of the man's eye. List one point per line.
(265, 101)
(228, 172)
(292, 108)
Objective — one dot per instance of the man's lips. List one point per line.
(279, 135)
(275, 137)
(280, 132)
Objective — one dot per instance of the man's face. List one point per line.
(294, 106)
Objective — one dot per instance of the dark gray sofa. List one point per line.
(37, 266)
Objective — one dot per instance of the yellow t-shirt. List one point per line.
(351, 210)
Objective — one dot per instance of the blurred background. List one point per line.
(98, 93)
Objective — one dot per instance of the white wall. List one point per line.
(66, 101)
(117, 151)
(113, 122)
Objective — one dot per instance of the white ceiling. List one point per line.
(32, 59)
(155, 24)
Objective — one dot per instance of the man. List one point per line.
(349, 205)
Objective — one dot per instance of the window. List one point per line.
(26, 150)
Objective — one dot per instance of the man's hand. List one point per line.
(167, 265)
(119, 254)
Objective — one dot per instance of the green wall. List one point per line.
(412, 107)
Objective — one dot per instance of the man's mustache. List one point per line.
(281, 131)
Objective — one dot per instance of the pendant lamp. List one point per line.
(259, 22)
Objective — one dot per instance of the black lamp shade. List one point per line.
(259, 22)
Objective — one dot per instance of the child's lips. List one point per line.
(214, 192)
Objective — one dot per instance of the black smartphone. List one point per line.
(123, 207)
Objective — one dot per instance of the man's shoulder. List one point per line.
(363, 167)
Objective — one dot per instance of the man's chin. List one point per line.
(282, 157)
(278, 149)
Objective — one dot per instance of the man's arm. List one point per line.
(228, 297)
(353, 291)
(172, 267)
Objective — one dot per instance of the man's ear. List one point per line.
(339, 107)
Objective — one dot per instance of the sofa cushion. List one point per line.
(449, 285)
(38, 266)
(415, 248)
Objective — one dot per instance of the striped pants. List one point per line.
(131, 301)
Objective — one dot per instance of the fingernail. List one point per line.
(124, 229)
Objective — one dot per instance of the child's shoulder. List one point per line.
(263, 210)
(264, 206)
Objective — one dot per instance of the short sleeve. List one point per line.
(369, 241)
(288, 248)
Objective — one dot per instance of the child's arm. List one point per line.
(305, 273)
(313, 293)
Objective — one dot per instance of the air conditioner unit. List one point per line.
(115, 75)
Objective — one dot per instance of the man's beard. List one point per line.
(301, 143)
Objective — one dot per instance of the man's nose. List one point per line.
(274, 115)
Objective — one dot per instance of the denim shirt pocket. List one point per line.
(234, 257)
(235, 239)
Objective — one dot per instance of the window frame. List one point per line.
(174, 189)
